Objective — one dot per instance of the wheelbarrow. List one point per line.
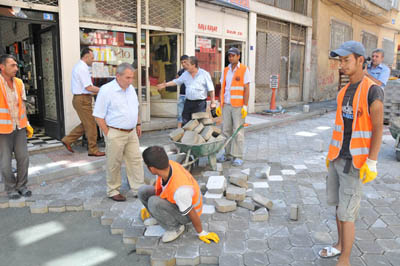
(209, 149)
(395, 131)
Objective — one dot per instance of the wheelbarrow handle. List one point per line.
(232, 137)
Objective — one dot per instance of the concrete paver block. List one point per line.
(259, 215)
(288, 172)
(224, 205)
(208, 209)
(217, 226)
(19, 203)
(263, 201)
(246, 171)
(154, 230)
(212, 139)
(235, 193)
(262, 185)
(275, 178)
(265, 171)
(210, 198)
(39, 207)
(57, 206)
(201, 115)
(98, 210)
(249, 192)
(319, 145)
(118, 225)
(220, 137)
(229, 259)
(192, 124)
(190, 138)
(74, 205)
(294, 212)
(207, 121)
(247, 203)
(188, 255)
(209, 253)
(146, 245)
(108, 217)
(219, 167)
(206, 133)
(239, 180)
(177, 134)
(216, 184)
(4, 202)
(207, 174)
(217, 131)
(163, 256)
(255, 258)
(199, 128)
(2, 187)
(131, 235)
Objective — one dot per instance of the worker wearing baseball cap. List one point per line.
(354, 147)
(234, 99)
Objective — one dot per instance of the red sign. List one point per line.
(204, 27)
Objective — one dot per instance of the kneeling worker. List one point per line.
(175, 200)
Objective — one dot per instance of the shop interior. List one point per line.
(32, 43)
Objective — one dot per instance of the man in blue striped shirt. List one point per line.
(376, 70)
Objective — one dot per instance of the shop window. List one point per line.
(120, 12)
(370, 42)
(110, 48)
(388, 48)
(209, 54)
(166, 13)
(340, 33)
(163, 64)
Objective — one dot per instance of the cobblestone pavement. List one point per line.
(296, 153)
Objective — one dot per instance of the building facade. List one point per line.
(274, 37)
(374, 23)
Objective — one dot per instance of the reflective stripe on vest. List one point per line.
(5, 122)
(237, 86)
(4, 111)
(236, 96)
(360, 141)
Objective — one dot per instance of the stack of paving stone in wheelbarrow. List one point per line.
(199, 130)
(391, 100)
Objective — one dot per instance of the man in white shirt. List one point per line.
(117, 114)
(82, 88)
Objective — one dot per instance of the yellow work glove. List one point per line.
(244, 111)
(327, 163)
(368, 171)
(144, 214)
(29, 131)
(206, 237)
(218, 111)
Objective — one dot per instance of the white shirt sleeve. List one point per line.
(222, 78)
(247, 76)
(23, 92)
(100, 106)
(180, 80)
(84, 76)
(183, 198)
(210, 85)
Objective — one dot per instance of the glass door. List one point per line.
(236, 44)
(50, 96)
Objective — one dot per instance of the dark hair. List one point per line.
(356, 56)
(184, 57)
(193, 61)
(4, 57)
(85, 51)
(156, 156)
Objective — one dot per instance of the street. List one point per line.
(296, 152)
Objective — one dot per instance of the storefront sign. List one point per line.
(203, 43)
(274, 81)
(238, 4)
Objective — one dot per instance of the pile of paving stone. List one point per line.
(199, 130)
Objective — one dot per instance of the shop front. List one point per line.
(219, 28)
(145, 33)
(32, 37)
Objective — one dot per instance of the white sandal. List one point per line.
(330, 252)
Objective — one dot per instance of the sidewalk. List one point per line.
(58, 163)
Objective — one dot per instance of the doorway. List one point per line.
(32, 37)
(237, 44)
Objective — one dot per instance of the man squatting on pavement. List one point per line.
(354, 148)
(175, 200)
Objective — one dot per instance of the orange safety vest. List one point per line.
(6, 125)
(362, 127)
(180, 177)
(237, 86)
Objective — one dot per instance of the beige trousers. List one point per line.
(83, 106)
(232, 120)
(120, 146)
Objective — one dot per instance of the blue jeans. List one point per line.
(181, 103)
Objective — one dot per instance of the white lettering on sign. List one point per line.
(205, 27)
(274, 81)
(203, 43)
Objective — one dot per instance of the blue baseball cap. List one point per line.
(349, 47)
(234, 50)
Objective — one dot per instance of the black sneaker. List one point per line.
(25, 192)
(13, 196)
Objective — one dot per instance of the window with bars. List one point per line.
(388, 48)
(370, 42)
(298, 6)
(340, 33)
(43, 2)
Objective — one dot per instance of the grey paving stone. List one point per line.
(207, 121)
(39, 207)
(146, 245)
(216, 184)
(256, 233)
(177, 134)
(321, 238)
(263, 201)
(131, 234)
(375, 260)
(224, 205)
(57, 206)
(294, 212)
(163, 256)
(369, 247)
(238, 224)
(391, 220)
(240, 214)
(302, 254)
(188, 255)
(4, 202)
(206, 133)
(209, 253)
(74, 204)
(259, 215)
(393, 257)
(364, 235)
(19, 203)
(257, 245)
(389, 244)
(280, 256)
(236, 235)
(235, 193)
(279, 243)
(209, 198)
(382, 233)
(301, 241)
(239, 180)
(221, 226)
(201, 115)
(255, 258)
(231, 260)
(108, 217)
(119, 224)
(99, 210)
(384, 211)
(155, 230)
(199, 128)
(192, 124)
(379, 224)
(236, 246)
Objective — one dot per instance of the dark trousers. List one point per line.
(191, 107)
(15, 142)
